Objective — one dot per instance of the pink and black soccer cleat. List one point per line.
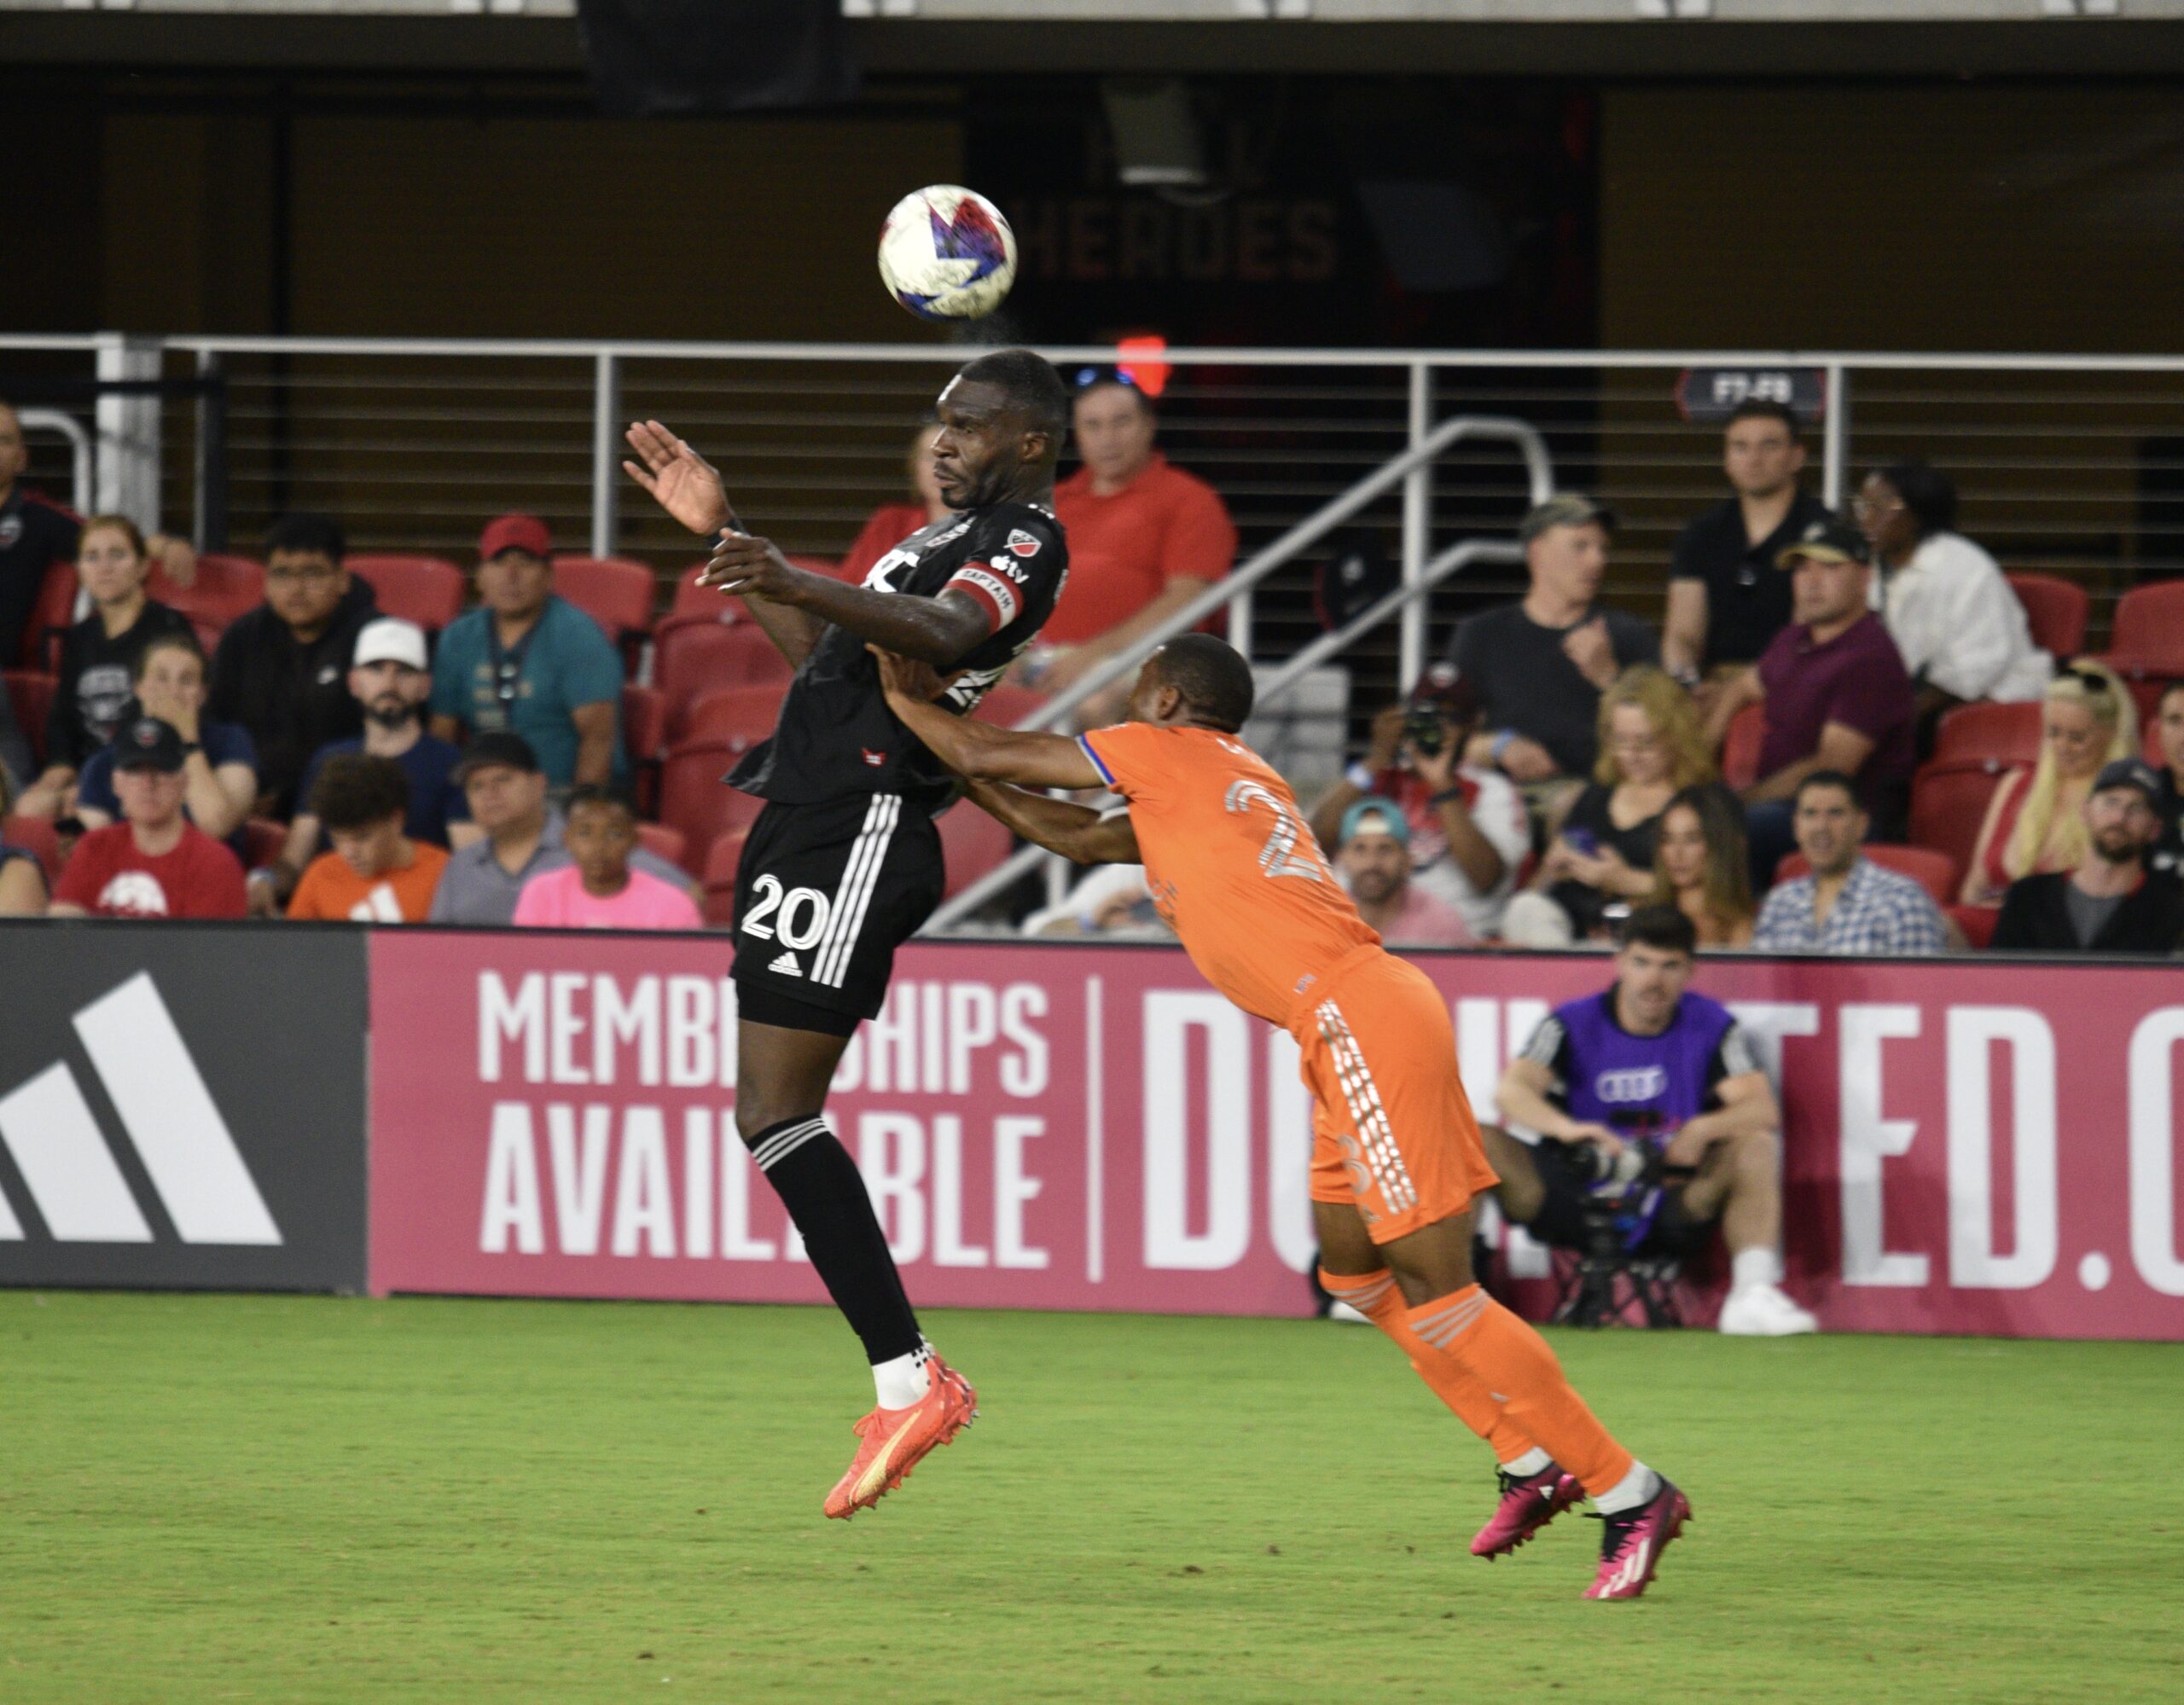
(1528, 1503)
(1631, 1548)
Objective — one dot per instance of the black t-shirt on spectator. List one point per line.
(97, 681)
(2168, 854)
(34, 534)
(1747, 597)
(292, 696)
(1524, 680)
(2037, 918)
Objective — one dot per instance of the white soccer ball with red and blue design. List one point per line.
(946, 253)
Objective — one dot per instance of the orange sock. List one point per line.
(1521, 1373)
(1377, 1297)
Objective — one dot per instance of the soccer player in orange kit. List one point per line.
(1397, 1159)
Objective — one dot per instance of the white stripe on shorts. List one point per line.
(1375, 1133)
(859, 876)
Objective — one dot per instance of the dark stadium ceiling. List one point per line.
(928, 47)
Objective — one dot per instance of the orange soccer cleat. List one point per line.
(896, 1440)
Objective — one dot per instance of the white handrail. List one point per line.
(79, 444)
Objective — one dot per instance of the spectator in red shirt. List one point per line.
(892, 522)
(155, 863)
(1145, 538)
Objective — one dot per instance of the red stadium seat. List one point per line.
(721, 862)
(1977, 923)
(51, 617)
(973, 843)
(264, 839)
(1935, 871)
(2008, 734)
(2054, 609)
(1740, 747)
(1949, 803)
(664, 842)
(208, 633)
(1008, 706)
(224, 588)
(692, 601)
(35, 835)
(424, 589)
(692, 660)
(614, 592)
(2148, 633)
(29, 696)
(743, 716)
(691, 797)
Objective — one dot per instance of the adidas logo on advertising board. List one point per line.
(168, 1115)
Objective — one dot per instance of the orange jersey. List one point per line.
(1231, 863)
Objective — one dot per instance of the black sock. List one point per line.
(820, 1185)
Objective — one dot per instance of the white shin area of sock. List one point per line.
(1629, 1491)
(1531, 1463)
(901, 1382)
(1748, 1267)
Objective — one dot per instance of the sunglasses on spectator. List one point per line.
(2085, 678)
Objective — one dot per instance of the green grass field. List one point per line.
(307, 1499)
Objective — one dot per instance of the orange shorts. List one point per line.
(1392, 1131)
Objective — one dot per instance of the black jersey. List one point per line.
(836, 737)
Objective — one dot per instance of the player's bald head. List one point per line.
(1031, 389)
(1212, 677)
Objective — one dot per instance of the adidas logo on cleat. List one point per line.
(785, 964)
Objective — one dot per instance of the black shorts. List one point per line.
(1560, 1221)
(824, 896)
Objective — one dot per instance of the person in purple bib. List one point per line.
(1648, 1101)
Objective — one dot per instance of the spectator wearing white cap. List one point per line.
(391, 678)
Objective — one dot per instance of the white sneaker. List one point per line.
(1762, 1311)
(1348, 1315)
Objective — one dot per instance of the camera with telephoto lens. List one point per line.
(1440, 700)
(1425, 731)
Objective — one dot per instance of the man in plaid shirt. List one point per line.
(1847, 904)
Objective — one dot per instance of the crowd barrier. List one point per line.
(1985, 1147)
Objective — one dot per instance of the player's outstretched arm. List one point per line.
(978, 752)
(939, 630)
(1077, 832)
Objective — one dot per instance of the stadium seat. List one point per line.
(1740, 747)
(663, 842)
(51, 617)
(692, 660)
(614, 592)
(208, 632)
(424, 589)
(35, 835)
(1977, 923)
(1009, 706)
(224, 588)
(974, 843)
(721, 861)
(743, 716)
(2055, 610)
(693, 799)
(644, 737)
(264, 839)
(2008, 734)
(2148, 636)
(1935, 871)
(30, 697)
(692, 601)
(1949, 803)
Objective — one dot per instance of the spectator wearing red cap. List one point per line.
(1145, 538)
(282, 672)
(526, 662)
(156, 863)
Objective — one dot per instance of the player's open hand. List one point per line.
(744, 566)
(909, 677)
(681, 481)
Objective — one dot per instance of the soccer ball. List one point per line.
(946, 253)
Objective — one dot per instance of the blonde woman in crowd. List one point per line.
(1651, 748)
(1701, 867)
(2036, 821)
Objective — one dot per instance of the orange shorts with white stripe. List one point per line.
(1392, 1128)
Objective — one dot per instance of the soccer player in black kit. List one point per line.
(845, 863)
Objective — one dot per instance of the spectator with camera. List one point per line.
(1845, 903)
(1374, 860)
(1701, 867)
(1962, 632)
(522, 835)
(528, 662)
(98, 659)
(390, 677)
(1651, 1111)
(376, 873)
(155, 863)
(1602, 855)
(220, 764)
(1726, 602)
(2110, 903)
(1469, 831)
(598, 889)
(282, 670)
